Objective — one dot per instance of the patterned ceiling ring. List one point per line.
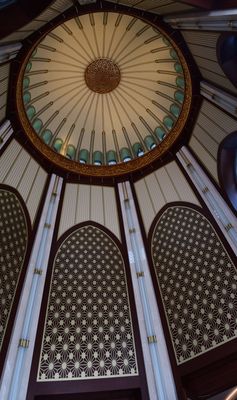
(88, 329)
(13, 245)
(103, 90)
(197, 281)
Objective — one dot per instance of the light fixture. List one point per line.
(232, 395)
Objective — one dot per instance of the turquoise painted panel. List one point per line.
(150, 142)
(138, 150)
(160, 133)
(111, 157)
(28, 67)
(175, 110)
(98, 157)
(168, 122)
(37, 125)
(125, 154)
(26, 82)
(30, 112)
(84, 156)
(71, 152)
(173, 54)
(180, 82)
(26, 97)
(58, 145)
(47, 136)
(178, 68)
(179, 96)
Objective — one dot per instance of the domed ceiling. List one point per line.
(104, 93)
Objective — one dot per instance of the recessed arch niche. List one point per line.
(15, 230)
(88, 330)
(227, 167)
(197, 281)
(227, 55)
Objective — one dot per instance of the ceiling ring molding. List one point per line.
(117, 78)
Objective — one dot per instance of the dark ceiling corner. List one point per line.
(17, 15)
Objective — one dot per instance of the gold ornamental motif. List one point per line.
(102, 75)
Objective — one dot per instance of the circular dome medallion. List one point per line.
(103, 94)
(102, 75)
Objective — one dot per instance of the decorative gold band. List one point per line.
(228, 227)
(152, 339)
(205, 190)
(24, 343)
(38, 271)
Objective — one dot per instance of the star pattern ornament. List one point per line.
(88, 328)
(197, 281)
(13, 244)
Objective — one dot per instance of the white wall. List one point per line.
(203, 48)
(212, 126)
(87, 202)
(19, 170)
(4, 78)
(163, 186)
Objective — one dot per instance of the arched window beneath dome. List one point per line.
(6, 3)
(15, 230)
(88, 329)
(227, 55)
(227, 167)
(197, 281)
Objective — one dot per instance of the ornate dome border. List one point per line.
(59, 161)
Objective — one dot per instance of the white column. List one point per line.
(223, 20)
(19, 357)
(220, 97)
(214, 201)
(5, 132)
(9, 51)
(158, 369)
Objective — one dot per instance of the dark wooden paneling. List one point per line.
(111, 395)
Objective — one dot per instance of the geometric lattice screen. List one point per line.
(88, 329)
(13, 243)
(197, 281)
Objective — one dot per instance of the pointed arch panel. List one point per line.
(13, 245)
(197, 281)
(88, 329)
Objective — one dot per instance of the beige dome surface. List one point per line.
(104, 88)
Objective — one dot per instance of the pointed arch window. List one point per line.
(197, 281)
(88, 330)
(227, 55)
(14, 231)
(227, 167)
